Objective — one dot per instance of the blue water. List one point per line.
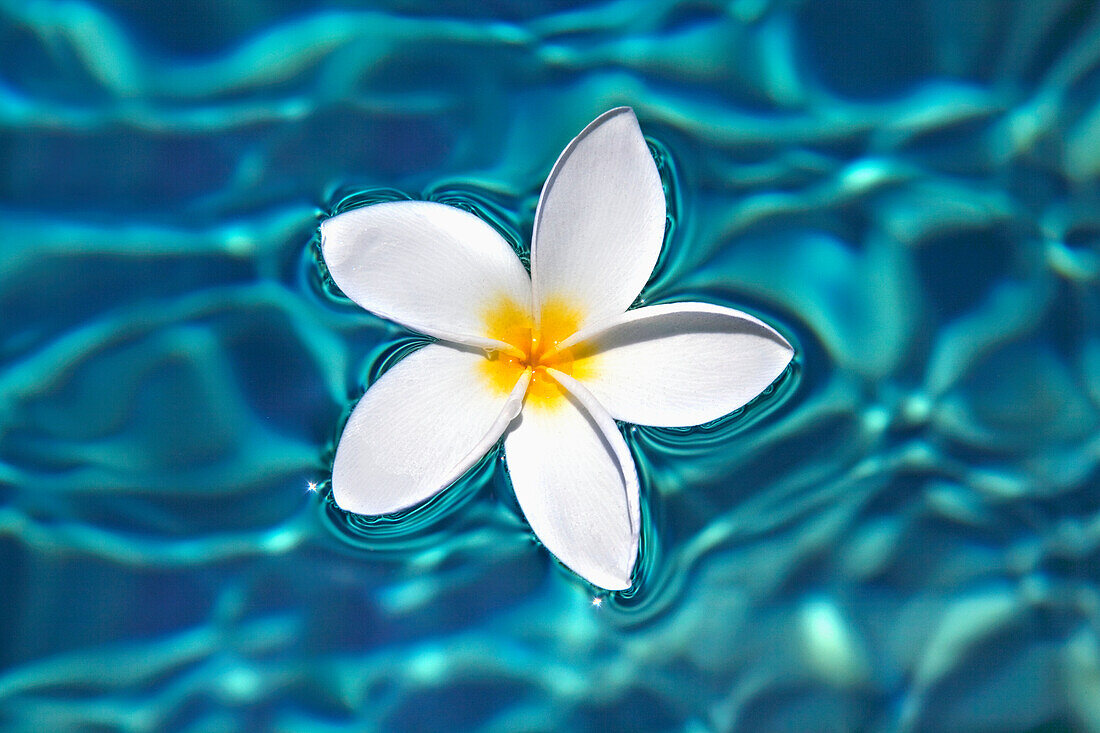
(903, 535)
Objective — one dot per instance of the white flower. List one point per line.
(548, 360)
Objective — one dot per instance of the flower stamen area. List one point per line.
(533, 348)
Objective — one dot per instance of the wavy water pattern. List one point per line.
(903, 535)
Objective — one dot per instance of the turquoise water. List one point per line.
(903, 535)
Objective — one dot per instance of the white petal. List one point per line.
(600, 222)
(576, 483)
(430, 267)
(418, 428)
(678, 364)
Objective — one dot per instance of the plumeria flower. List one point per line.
(548, 361)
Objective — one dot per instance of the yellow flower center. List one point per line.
(534, 348)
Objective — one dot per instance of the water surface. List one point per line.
(904, 534)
